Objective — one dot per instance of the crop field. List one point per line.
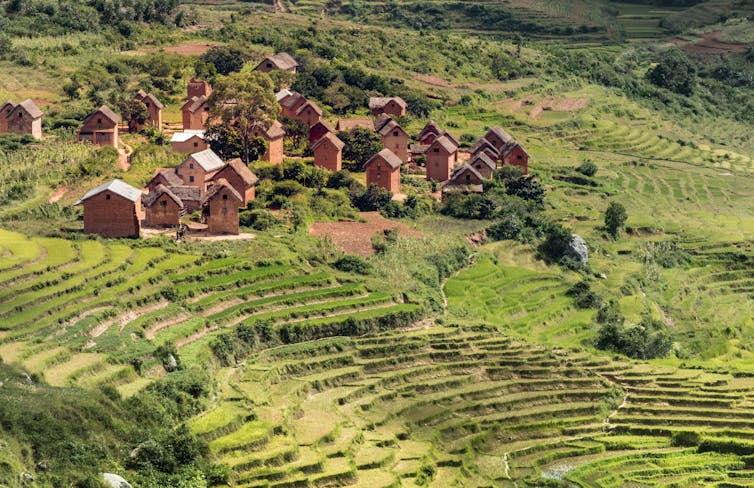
(84, 312)
(394, 409)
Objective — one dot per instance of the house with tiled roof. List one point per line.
(441, 155)
(281, 61)
(394, 106)
(154, 107)
(220, 208)
(394, 137)
(309, 113)
(483, 164)
(273, 136)
(162, 208)
(23, 118)
(318, 130)
(328, 152)
(384, 170)
(240, 177)
(195, 113)
(510, 151)
(465, 179)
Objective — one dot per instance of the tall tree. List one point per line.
(242, 101)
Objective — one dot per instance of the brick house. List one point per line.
(100, 128)
(5, 109)
(240, 177)
(318, 130)
(384, 170)
(343, 125)
(484, 146)
(199, 168)
(290, 104)
(154, 107)
(220, 206)
(24, 118)
(198, 88)
(429, 133)
(394, 137)
(442, 155)
(188, 141)
(189, 195)
(164, 176)
(274, 138)
(394, 106)
(483, 165)
(280, 61)
(111, 210)
(162, 208)
(465, 179)
(452, 138)
(328, 152)
(510, 151)
(195, 113)
(309, 113)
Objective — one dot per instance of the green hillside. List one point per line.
(445, 358)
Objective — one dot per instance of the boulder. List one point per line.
(116, 481)
(578, 249)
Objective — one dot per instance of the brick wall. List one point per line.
(110, 215)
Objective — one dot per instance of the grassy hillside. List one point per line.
(275, 361)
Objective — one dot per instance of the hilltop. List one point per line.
(439, 357)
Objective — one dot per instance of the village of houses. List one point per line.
(203, 181)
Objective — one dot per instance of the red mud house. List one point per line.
(221, 208)
(22, 118)
(162, 208)
(100, 128)
(442, 155)
(280, 61)
(384, 170)
(154, 107)
(465, 179)
(309, 113)
(290, 103)
(188, 141)
(510, 151)
(483, 164)
(199, 168)
(111, 210)
(394, 106)
(195, 113)
(318, 130)
(328, 152)
(429, 133)
(240, 177)
(273, 136)
(393, 136)
(198, 88)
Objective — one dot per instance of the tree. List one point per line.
(675, 72)
(226, 59)
(526, 187)
(244, 101)
(615, 219)
(360, 145)
(134, 112)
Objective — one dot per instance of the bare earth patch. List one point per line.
(194, 48)
(58, 193)
(709, 44)
(432, 80)
(356, 237)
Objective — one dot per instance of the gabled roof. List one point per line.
(462, 169)
(381, 120)
(292, 100)
(282, 94)
(444, 143)
(151, 197)
(482, 157)
(140, 94)
(331, 139)
(243, 171)
(116, 186)
(219, 185)
(186, 135)
(430, 127)
(390, 126)
(170, 176)
(347, 124)
(153, 99)
(501, 134)
(6, 103)
(104, 110)
(452, 138)
(30, 108)
(186, 193)
(418, 148)
(510, 147)
(388, 156)
(379, 102)
(481, 145)
(311, 104)
(194, 103)
(282, 61)
(324, 124)
(207, 159)
(274, 131)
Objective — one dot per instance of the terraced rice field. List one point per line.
(474, 407)
(90, 312)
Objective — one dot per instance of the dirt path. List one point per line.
(58, 194)
(279, 7)
(124, 156)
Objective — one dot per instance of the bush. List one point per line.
(615, 219)
(650, 339)
(587, 168)
(467, 206)
(374, 198)
(353, 264)
(583, 296)
(258, 219)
